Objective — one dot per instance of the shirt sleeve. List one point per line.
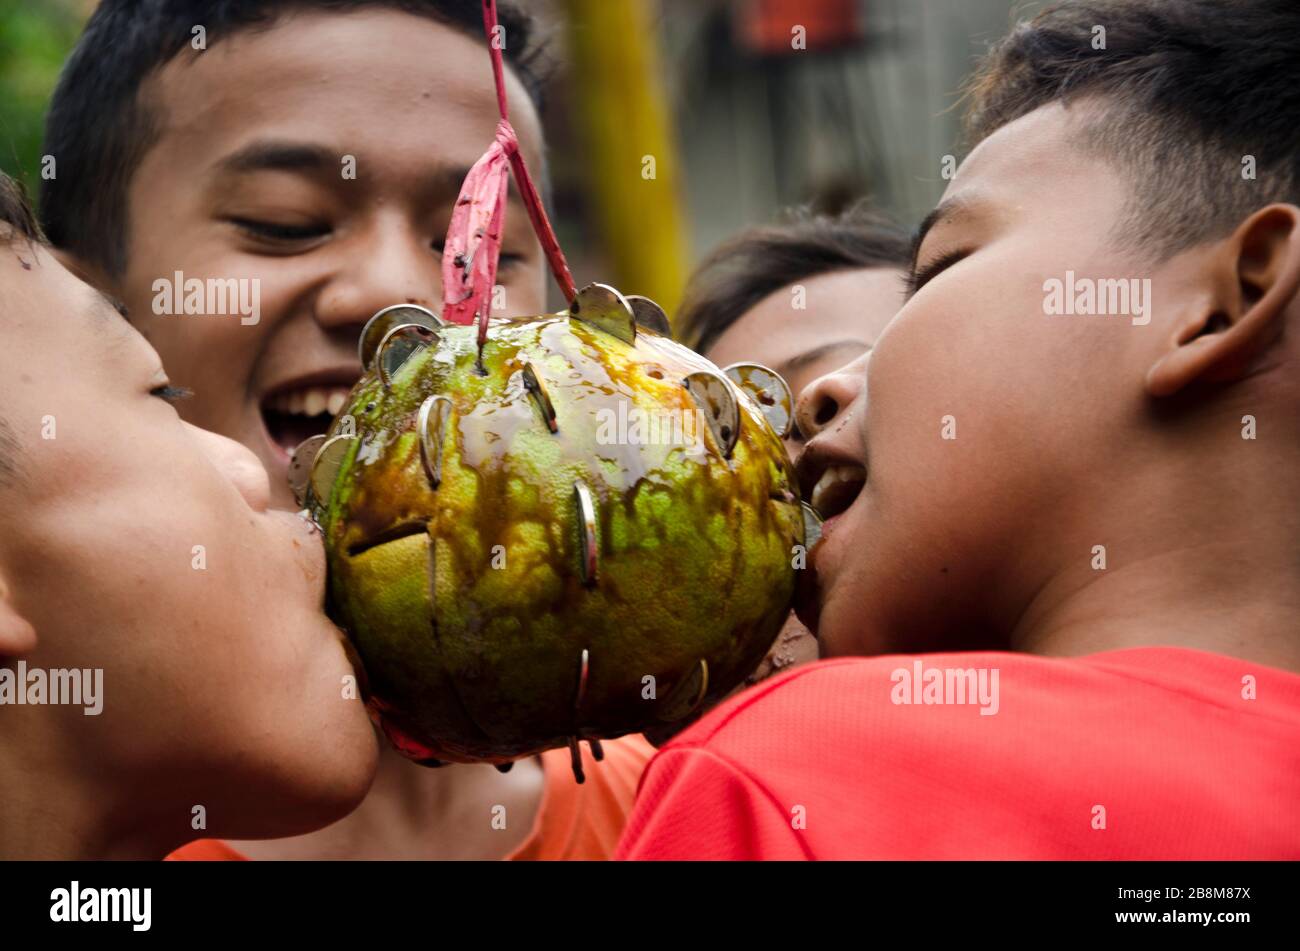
(694, 804)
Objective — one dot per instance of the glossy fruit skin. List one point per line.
(472, 619)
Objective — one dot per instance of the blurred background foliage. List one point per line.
(749, 107)
(35, 36)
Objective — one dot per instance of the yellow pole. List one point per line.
(628, 139)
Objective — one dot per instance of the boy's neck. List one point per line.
(413, 812)
(61, 816)
(1242, 600)
(1189, 537)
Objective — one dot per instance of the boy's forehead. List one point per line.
(1038, 156)
(47, 316)
(373, 83)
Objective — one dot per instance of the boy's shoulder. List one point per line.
(978, 755)
(985, 684)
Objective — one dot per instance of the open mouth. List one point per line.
(830, 478)
(836, 489)
(295, 412)
(831, 483)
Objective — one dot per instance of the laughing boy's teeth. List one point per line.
(836, 489)
(310, 400)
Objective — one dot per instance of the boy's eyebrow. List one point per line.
(278, 156)
(287, 156)
(449, 179)
(116, 331)
(108, 311)
(104, 306)
(955, 207)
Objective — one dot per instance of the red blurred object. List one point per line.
(772, 27)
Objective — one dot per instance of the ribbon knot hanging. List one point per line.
(473, 246)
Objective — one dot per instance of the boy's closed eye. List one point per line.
(919, 275)
(290, 236)
(284, 235)
(171, 394)
(962, 221)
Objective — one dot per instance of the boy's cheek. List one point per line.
(913, 384)
(212, 355)
(524, 290)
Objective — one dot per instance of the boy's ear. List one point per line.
(17, 636)
(1256, 276)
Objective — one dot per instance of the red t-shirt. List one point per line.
(1147, 753)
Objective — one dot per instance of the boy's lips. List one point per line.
(312, 552)
(813, 583)
(835, 490)
(807, 596)
(831, 480)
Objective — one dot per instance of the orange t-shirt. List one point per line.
(573, 822)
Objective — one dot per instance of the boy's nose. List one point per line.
(238, 464)
(828, 397)
(388, 266)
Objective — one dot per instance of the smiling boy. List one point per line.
(311, 151)
(142, 551)
(1085, 524)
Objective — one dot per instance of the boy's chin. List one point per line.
(341, 766)
(834, 615)
(311, 789)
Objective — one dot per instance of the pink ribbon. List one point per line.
(473, 247)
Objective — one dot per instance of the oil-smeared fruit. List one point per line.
(582, 531)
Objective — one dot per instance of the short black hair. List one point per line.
(756, 263)
(1190, 91)
(99, 129)
(16, 212)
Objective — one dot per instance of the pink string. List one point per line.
(473, 246)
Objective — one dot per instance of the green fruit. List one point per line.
(517, 568)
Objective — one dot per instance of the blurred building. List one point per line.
(779, 103)
(747, 107)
